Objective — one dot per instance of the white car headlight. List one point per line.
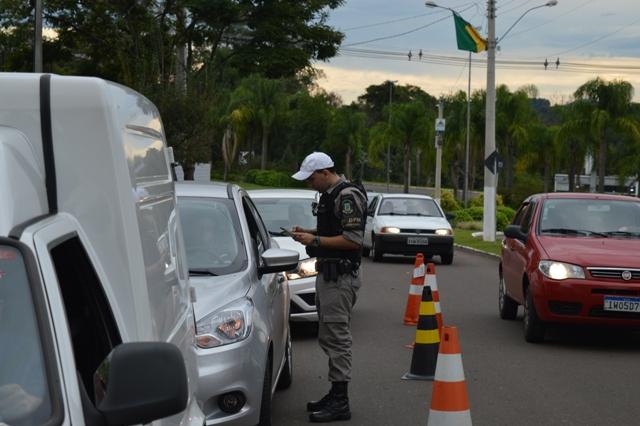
(306, 268)
(444, 231)
(390, 230)
(559, 270)
(229, 324)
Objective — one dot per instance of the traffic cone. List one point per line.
(431, 281)
(425, 348)
(449, 400)
(412, 311)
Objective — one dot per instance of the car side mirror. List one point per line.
(278, 260)
(515, 231)
(140, 382)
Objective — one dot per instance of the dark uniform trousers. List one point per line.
(334, 302)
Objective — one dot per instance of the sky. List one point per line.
(590, 38)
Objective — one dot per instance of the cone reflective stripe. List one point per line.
(415, 291)
(425, 348)
(449, 399)
(431, 281)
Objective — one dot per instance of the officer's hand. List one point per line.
(296, 228)
(303, 238)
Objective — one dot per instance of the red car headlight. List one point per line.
(560, 270)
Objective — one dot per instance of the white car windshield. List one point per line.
(285, 213)
(588, 217)
(212, 236)
(24, 394)
(409, 207)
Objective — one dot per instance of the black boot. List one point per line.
(337, 406)
(321, 403)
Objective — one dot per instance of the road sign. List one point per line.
(493, 162)
(440, 125)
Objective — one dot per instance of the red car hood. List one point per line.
(585, 251)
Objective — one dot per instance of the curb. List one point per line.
(476, 251)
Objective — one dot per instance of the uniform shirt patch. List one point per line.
(351, 213)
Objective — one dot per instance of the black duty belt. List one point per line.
(331, 269)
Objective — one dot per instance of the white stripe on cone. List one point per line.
(449, 418)
(449, 368)
(415, 290)
(438, 311)
(432, 282)
(419, 271)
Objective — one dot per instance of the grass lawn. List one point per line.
(463, 237)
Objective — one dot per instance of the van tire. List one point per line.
(286, 376)
(265, 401)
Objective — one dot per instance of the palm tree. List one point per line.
(411, 120)
(266, 99)
(346, 135)
(610, 116)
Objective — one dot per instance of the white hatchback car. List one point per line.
(283, 208)
(407, 224)
(242, 303)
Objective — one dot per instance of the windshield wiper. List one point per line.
(569, 231)
(205, 272)
(623, 233)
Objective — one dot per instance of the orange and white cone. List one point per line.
(431, 281)
(449, 399)
(412, 311)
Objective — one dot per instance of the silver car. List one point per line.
(243, 343)
(283, 208)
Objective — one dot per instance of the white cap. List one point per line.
(311, 163)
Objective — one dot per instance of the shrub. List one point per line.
(473, 225)
(479, 201)
(501, 220)
(462, 215)
(448, 202)
(272, 178)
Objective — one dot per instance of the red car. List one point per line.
(572, 258)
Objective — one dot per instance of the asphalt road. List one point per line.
(579, 376)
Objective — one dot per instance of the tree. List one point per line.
(411, 121)
(610, 103)
(346, 135)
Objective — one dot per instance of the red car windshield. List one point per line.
(590, 217)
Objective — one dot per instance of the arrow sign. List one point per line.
(440, 125)
(493, 162)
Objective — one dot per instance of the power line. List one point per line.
(404, 33)
(377, 24)
(596, 40)
(552, 20)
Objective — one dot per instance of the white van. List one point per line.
(96, 324)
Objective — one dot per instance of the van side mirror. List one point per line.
(140, 382)
(278, 260)
(514, 231)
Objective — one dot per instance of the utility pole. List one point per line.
(466, 148)
(489, 215)
(439, 141)
(391, 82)
(37, 38)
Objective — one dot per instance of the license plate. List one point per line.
(418, 241)
(622, 304)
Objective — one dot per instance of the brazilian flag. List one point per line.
(467, 36)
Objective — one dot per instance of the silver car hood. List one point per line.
(413, 222)
(212, 293)
(291, 244)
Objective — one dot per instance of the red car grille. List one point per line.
(614, 273)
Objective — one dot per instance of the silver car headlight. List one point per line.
(306, 268)
(229, 324)
(389, 230)
(560, 270)
(444, 231)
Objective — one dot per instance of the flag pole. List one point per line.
(466, 150)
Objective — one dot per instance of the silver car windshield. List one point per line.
(409, 207)
(212, 236)
(24, 389)
(588, 217)
(285, 212)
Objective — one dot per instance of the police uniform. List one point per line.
(341, 211)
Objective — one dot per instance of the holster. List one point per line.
(331, 269)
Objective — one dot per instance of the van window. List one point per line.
(285, 212)
(211, 235)
(24, 388)
(91, 323)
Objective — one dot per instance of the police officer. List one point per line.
(336, 243)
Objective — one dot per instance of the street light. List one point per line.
(391, 83)
(489, 194)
